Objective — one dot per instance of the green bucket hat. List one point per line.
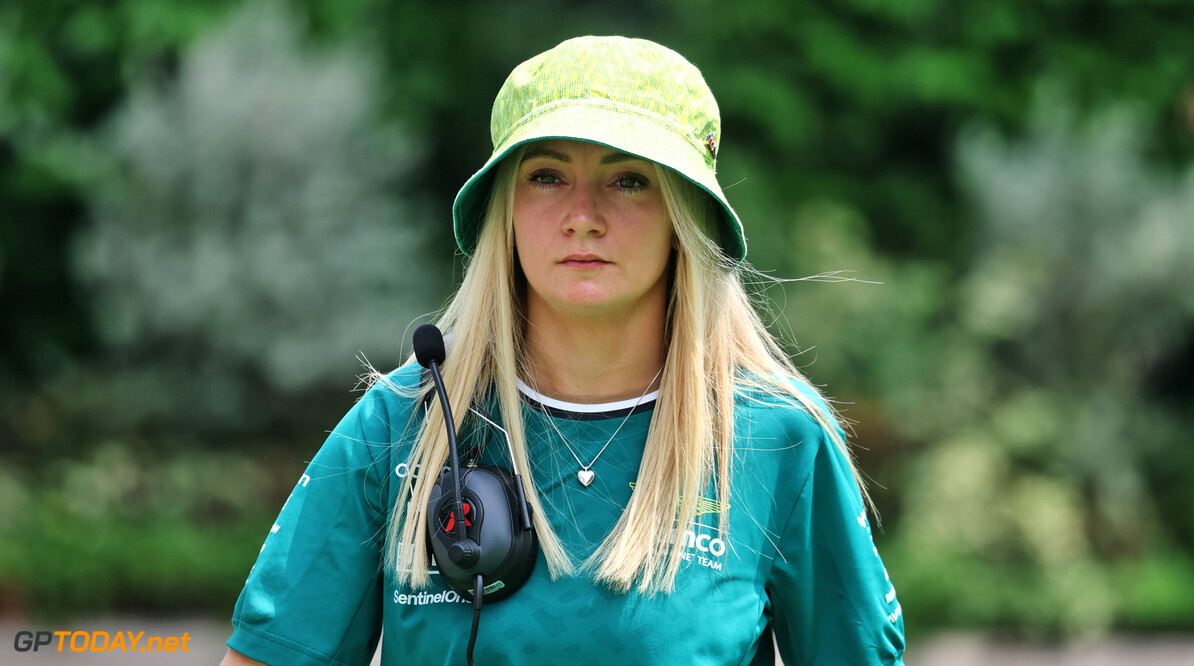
(631, 95)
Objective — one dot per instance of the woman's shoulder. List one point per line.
(782, 396)
(389, 397)
(785, 416)
(400, 383)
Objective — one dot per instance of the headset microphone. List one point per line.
(478, 522)
(430, 352)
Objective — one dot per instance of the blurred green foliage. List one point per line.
(123, 529)
(208, 210)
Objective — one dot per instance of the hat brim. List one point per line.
(622, 128)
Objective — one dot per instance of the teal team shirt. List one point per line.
(796, 558)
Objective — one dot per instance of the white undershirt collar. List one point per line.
(585, 408)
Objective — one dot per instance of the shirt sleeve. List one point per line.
(314, 597)
(831, 599)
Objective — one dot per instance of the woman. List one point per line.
(690, 491)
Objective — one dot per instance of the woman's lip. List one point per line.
(584, 261)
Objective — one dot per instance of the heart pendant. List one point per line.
(585, 476)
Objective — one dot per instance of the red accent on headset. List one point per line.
(452, 518)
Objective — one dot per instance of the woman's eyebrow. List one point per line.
(609, 158)
(614, 158)
(539, 151)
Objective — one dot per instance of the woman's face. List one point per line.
(591, 229)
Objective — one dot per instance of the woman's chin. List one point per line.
(587, 304)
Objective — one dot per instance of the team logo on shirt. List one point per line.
(705, 548)
(704, 504)
(891, 593)
(703, 544)
(425, 598)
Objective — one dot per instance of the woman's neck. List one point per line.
(593, 361)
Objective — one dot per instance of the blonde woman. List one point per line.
(690, 492)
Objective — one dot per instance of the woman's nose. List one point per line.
(584, 212)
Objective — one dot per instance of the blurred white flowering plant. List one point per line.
(249, 226)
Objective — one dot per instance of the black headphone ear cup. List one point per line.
(493, 520)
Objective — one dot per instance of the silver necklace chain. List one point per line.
(586, 474)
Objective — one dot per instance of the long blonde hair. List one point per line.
(716, 346)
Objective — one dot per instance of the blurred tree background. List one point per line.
(209, 211)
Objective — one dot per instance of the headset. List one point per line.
(478, 522)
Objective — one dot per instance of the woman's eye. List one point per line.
(543, 178)
(631, 181)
